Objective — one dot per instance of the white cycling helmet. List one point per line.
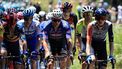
(32, 8)
(42, 13)
(57, 13)
(87, 9)
(49, 16)
(36, 16)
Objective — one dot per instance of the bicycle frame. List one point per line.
(98, 61)
(57, 60)
(11, 64)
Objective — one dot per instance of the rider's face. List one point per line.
(56, 20)
(102, 20)
(87, 15)
(27, 19)
(66, 13)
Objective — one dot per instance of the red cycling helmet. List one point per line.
(20, 15)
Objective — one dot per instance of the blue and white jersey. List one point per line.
(31, 32)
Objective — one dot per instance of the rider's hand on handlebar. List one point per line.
(90, 58)
(112, 59)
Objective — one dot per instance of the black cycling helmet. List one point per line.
(67, 5)
(100, 12)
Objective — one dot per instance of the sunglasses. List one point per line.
(56, 20)
(27, 18)
(88, 14)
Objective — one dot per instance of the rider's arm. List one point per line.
(45, 43)
(75, 20)
(68, 37)
(39, 37)
(89, 39)
(78, 32)
(111, 39)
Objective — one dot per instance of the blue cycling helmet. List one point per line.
(2, 8)
(28, 13)
(1, 12)
(100, 12)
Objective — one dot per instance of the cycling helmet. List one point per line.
(28, 12)
(2, 8)
(87, 9)
(32, 8)
(1, 12)
(67, 5)
(11, 10)
(57, 13)
(49, 16)
(100, 12)
(20, 15)
(42, 13)
(36, 16)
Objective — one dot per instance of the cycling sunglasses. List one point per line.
(56, 20)
(88, 13)
(27, 18)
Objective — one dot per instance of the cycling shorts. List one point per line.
(13, 49)
(100, 51)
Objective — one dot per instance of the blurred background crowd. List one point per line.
(113, 6)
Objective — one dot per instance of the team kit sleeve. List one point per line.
(68, 31)
(79, 28)
(110, 33)
(75, 20)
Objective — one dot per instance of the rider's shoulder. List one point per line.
(36, 22)
(65, 23)
(81, 20)
(72, 14)
(108, 22)
(20, 23)
(93, 22)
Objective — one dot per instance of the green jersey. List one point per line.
(81, 27)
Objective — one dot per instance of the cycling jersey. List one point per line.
(57, 38)
(97, 37)
(73, 19)
(30, 33)
(100, 34)
(11, 41)
(81, 27)
(12, 36)
(1, 29)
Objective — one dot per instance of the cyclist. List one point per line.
(49, 16)
(2, 50)
(57, 33)
(71, 17)
(11, 37)
(30, 30)
(19, 16)
(81, 29)
(96, 38)
(42, 16)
